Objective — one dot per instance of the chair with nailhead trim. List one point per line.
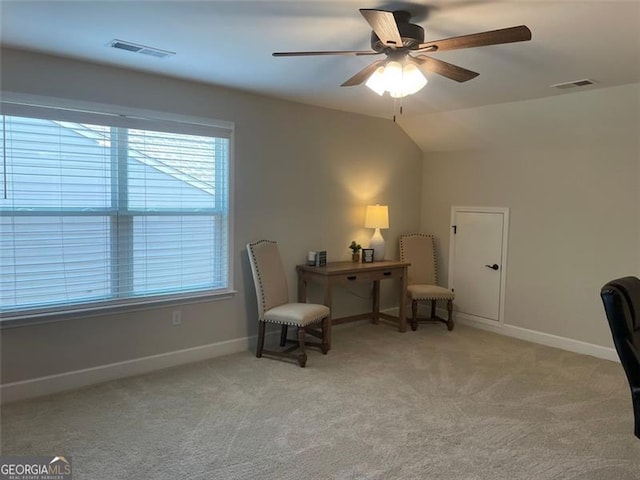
(419, 250)
(274, 307)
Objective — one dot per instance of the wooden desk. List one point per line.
(344, 273)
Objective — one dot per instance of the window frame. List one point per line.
(134, 118)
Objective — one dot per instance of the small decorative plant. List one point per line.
(355, 251)
(355, 247)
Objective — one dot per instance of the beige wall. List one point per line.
(303, 176)
(568, 167)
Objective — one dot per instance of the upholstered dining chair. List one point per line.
(419, 250)
(274, 307)
(621, 300)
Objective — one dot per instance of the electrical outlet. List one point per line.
(176, 317)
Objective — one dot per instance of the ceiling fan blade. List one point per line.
(328, 52)
(363, 74)
(445, 69)
(384, 25)
(494, 37)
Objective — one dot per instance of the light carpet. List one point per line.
(430, 404)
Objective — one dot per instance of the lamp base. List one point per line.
(377, 243)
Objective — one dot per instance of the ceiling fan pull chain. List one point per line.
(395, 104)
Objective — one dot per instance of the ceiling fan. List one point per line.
(404, 46)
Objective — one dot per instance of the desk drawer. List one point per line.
(389, 273)
(368, 276)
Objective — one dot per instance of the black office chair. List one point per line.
(621, 300)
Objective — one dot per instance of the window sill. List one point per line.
(28, 320)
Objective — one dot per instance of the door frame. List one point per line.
(503, 266)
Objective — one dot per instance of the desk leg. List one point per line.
(375, 307)
(402, 313)
(302, 289)
(327, 302)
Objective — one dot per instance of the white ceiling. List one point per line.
(230, 43)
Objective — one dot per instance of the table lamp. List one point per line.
(377, 217)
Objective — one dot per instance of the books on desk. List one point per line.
(317, 258)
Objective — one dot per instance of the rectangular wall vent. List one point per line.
(155, 53)
(133, 47)
(575, 83)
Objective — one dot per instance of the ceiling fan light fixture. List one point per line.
(396, 79)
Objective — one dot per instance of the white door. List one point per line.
(478, 260)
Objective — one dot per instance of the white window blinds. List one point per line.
(102, 209)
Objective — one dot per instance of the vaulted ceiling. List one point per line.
(230, 43)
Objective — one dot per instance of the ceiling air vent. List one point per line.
(133, 47)
(576, 83)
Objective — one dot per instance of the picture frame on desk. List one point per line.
(367, 255)
(321, 258)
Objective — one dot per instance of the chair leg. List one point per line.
(449, 315)
(414, 315)
(302, 356)
(433, 309)
(325, 335)
(260, 345)
(283, 335)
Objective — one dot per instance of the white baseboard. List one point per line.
(533, 336)
(36, 387)
(542, 338)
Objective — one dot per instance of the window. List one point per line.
(101, 210)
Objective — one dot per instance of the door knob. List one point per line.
(493, 267)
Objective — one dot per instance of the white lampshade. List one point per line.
(377, 216)
(393, 78)
(377, 82)
(412, 79)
